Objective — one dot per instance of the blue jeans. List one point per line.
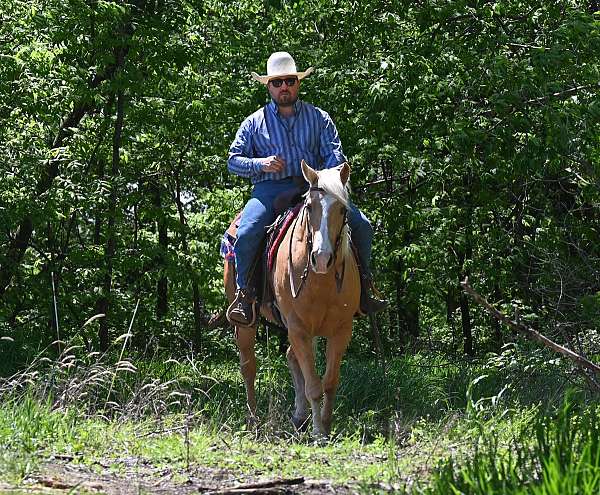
(259, 213)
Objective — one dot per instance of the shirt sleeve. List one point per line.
(241, 159)
(330, 147)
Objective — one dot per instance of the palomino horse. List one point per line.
(316, 286)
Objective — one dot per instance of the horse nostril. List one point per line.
(330, 261)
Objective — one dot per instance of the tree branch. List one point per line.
(258, 488)
(563, 94)
(580, 361)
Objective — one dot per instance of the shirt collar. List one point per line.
(273, 107)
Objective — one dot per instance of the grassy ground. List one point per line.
(419, 424)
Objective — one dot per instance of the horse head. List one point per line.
(327, 204)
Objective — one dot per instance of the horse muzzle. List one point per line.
(321, 261)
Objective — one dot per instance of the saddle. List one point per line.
(287, 205)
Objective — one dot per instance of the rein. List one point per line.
(339, 278)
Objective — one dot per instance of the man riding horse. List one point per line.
(268, 148)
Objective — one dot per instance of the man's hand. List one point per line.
(273, 164)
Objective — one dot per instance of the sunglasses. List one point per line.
(289, 81)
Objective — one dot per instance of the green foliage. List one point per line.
(30, 426)
(555, 453)
(441, 424)
(471, 129)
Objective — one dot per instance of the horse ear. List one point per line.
(345, 173)
(309, 174)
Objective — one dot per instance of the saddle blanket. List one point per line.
(281, 226)
(227, 243)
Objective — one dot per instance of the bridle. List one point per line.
(339, 276)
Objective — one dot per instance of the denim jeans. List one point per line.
(259, 214)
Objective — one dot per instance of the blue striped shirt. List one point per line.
(309, 134)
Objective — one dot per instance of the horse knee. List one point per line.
(245, 340)
(314, 391)
(291, 358)
(330, 383)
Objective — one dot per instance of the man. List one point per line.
(268, 148)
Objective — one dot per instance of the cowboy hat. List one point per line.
(281, 64)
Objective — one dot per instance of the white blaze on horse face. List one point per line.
(322, 252)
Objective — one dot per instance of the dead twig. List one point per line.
(271, 486)
(581, 362)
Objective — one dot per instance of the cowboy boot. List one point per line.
(368, 303)
(242, 311)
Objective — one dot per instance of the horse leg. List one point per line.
(301, 345)
(336, 347)
(301, 411)
(245, 338)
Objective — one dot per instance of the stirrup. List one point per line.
(370, 304)
(242, 310)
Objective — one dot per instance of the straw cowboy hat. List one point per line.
(281, 64)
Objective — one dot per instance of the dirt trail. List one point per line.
(131, 476)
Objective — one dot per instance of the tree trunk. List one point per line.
(16, 250)
(497, 330)
(399, 286)
(200, 318)
(53, 281)
(98, 216)
(104, 301)
(464, 257)
(466, 324)
(408, 308)
(452, 304)
(162, 305)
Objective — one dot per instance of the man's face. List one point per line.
(286, 94)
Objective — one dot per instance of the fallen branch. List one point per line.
(249, 491)
(270, 486)
(56, 484)
(579, 360)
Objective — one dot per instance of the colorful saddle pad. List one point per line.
(282, 225)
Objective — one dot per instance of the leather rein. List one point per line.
(339, 276)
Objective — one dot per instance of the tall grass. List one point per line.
(554, 454)
(402, 417)
(370, 397)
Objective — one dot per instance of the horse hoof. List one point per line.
(301, 424)
(320, 439)
(251, 421)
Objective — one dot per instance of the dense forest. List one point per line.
(472, 129)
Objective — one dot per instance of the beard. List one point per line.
(286, 100)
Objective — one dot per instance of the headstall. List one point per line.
(339, 277)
